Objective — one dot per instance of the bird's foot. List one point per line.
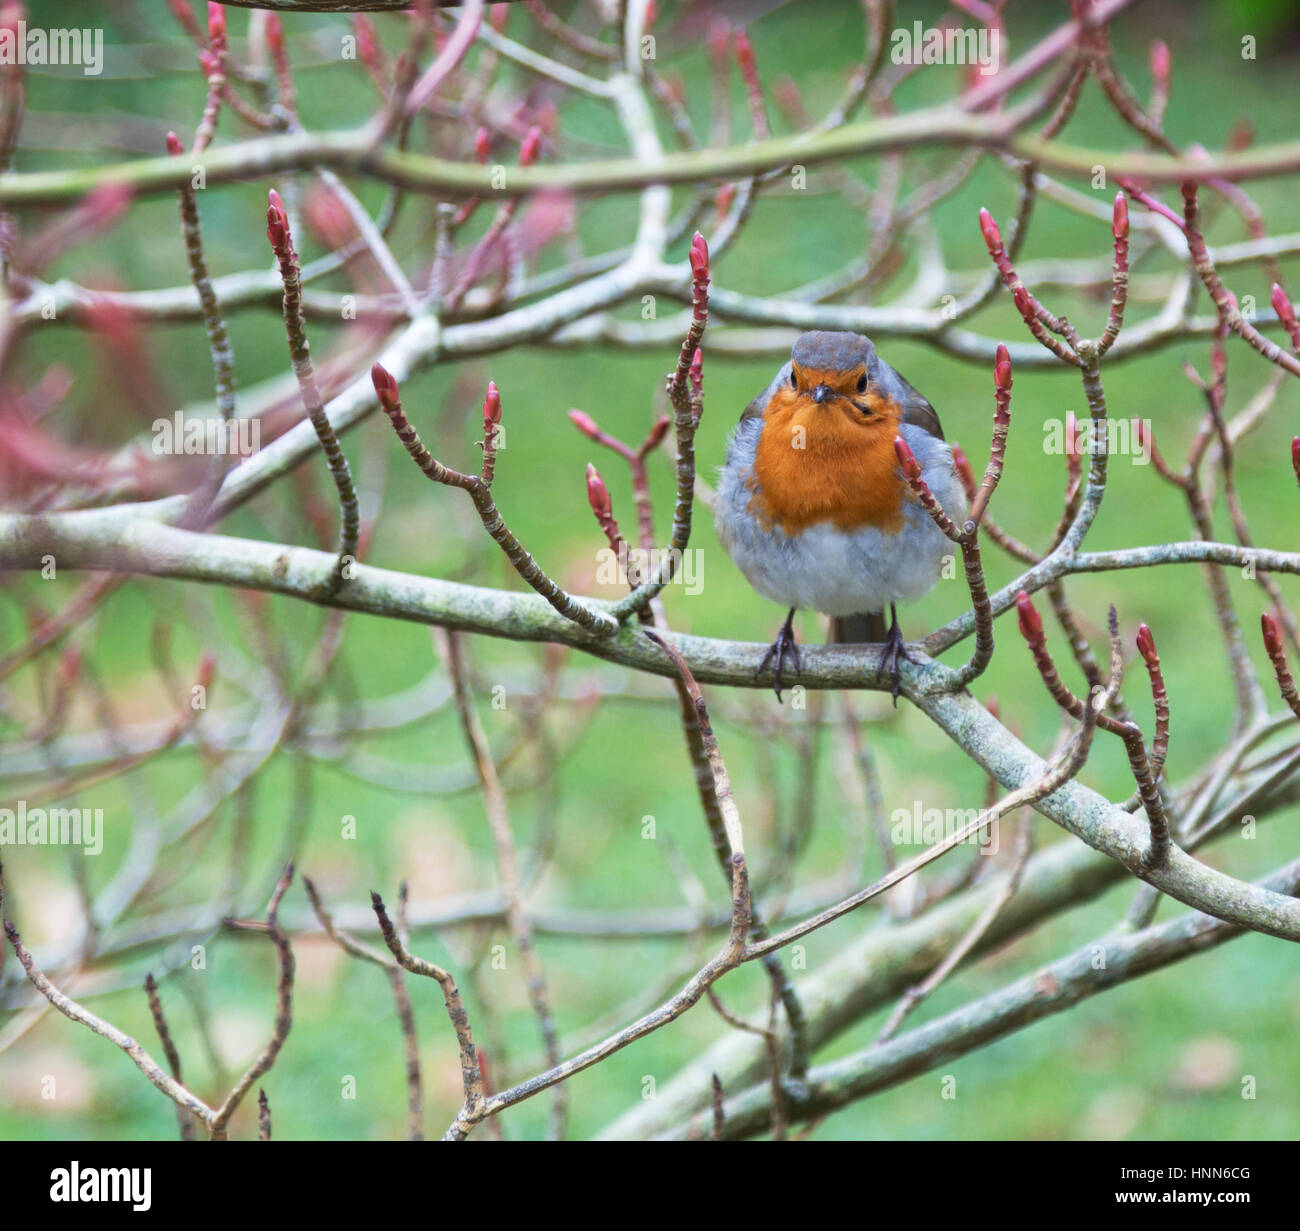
(784, 646)
(895, 650)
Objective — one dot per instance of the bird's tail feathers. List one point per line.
(870, 626)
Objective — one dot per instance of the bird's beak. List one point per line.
(822, 393)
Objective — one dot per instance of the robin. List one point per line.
(811, 504)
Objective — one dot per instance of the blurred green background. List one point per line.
(1162, 1057)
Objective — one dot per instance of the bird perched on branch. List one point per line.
(811, 504)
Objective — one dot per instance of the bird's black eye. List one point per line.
(862, 384)
(794, 380)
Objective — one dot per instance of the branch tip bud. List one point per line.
(906, 459)
(584, 423)
(492, 405)
(1031, 623)
(992, 236)
(1119, 223)
(1146, 645)
(1272, 638)
(597, 493)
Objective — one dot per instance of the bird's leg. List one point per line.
(783, 645)
(895, 649)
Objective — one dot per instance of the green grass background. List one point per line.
(1163, 1057)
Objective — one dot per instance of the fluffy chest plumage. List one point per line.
(812, 465)
(800, 549)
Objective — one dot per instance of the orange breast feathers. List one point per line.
(828, 462)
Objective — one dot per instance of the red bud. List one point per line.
(1022, 301)
(492, 405)
(531, 147)
(651, 14)
(1031, 623)
(597, 495)
(992, 236)
(961, 463)
(174, 145)
(1119, 223)
(1160, 62)
(1295, 455)
(906, 458)
(745, 53)
(658, 432)
(497, 16)
(1146, 644)
(726, 194)
(1072, 434)
(367, 44)
(1002, 367)
(1272, 639)
(699, 258)
(217, 26)
(697, 368)
(1283, 307)
(584, 423)
(275, 34)
(277, 221)
(482, 144)
(385, 387)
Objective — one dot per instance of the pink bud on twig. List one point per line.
(1002, 367)
(585, 424)
(385, 386)
(277, 221)
(275, 34)
(657, 433)
(492, 406)
(745, 53)
(1119, 224)
(531, 147)
(699, 258)
(961, 463)
(1031, 623)
(367, 44)
(174, 145)
(989, 229)
(1146, 645)
(1160, 62)
(697, 371)
(597, 494)
(1272, 638)
(906, 459)
(482, 145)
(217, 26)
(1283, 307)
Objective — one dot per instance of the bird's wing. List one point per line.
(756, 408)
(919, 413)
